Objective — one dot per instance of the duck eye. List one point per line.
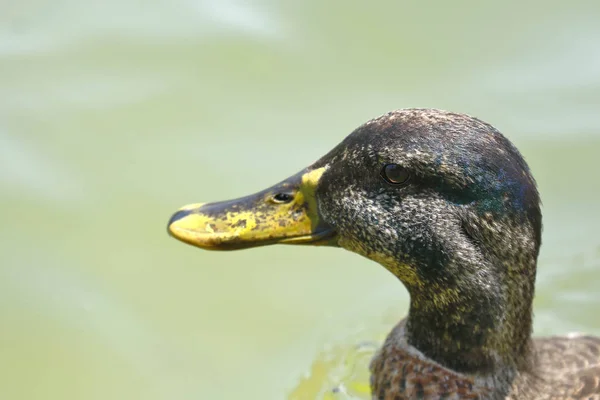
(395, 174)
(281, 198)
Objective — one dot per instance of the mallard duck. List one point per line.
(448, 205)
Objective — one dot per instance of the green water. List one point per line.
(114, 114)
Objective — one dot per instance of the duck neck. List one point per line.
(482, 330)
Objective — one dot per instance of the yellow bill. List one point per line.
(285, 213)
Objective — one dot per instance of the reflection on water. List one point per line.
(113, 114)
(338, 373)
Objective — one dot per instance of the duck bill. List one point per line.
(285, 213)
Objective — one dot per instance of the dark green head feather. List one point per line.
(462, 234)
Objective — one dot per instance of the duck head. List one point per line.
(442, 200)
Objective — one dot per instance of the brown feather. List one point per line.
(568, 367)
(565, 368)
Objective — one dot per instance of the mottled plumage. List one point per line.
(564, 368)
(462, 233)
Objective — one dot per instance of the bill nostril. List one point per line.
(281, 198)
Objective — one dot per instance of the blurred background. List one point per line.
(114, 114)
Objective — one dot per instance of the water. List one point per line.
(114, 114)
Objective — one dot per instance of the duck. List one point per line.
(449, 206)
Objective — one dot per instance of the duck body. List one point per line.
(564, 368)
(449, 206)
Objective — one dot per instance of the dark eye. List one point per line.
(282, 197)
(395, 174)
